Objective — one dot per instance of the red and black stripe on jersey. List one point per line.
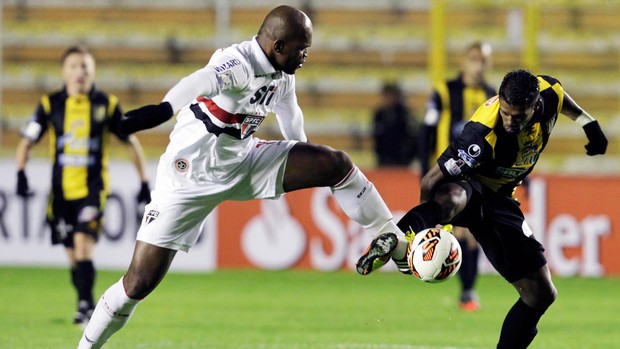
(239, 126)
(498, 160)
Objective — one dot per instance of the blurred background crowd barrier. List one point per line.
(144, 47)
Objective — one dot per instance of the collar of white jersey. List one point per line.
(263, 62)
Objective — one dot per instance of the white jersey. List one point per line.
(212, 155)
(222, 105)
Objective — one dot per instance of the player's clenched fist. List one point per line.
(597, 141)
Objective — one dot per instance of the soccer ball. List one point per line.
(434, 255)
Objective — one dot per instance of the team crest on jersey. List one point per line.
(250, 125)
(151, 216)
(88, 213)
(99, 113)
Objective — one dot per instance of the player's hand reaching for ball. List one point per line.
(597, 141)
(146, 117)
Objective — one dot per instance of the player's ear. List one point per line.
(278, 46)
(538, 104)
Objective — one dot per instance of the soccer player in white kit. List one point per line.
(213, 157)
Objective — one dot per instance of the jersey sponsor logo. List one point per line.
(78, 144)
(76, 160)
(76, 124)
(509, 172)
(470, 161)
(181, 165)
(227, 65)
(151, 216)
(264, 94)
(250, 124)
(474, 150)
(454, 166)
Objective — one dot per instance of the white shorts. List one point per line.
(175, 217)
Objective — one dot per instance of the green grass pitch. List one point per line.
(244, 309)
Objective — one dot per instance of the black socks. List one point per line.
(519, 328)
(421, 217)
(83, 277)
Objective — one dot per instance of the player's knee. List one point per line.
(548, 297)
(136, 286)
(449, 208)
(337, 164)
(542, 298)
(452, 198)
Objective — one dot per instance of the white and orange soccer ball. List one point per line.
(434, 254)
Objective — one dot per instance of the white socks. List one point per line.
(359, 199)
(112, 313)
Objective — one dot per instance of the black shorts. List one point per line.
(67, 217)
(498, 224)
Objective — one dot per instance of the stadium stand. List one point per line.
(143, 47)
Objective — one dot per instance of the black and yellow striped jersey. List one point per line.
(79, 134)
(455, 103)
(498, 160)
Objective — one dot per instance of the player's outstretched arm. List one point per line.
(146, 117)
(597, 142)
(202, 82)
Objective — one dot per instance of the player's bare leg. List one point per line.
(537, 294)
(319, 166)
(148, 267)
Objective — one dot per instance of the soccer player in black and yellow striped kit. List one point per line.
(79, 119)
(473, 182)
(448, 109)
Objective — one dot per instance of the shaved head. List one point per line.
(285, 23)
(285, 36)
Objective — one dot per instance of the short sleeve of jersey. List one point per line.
(35, 128)
(230, 72)
(467, 151)
(547, 82)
